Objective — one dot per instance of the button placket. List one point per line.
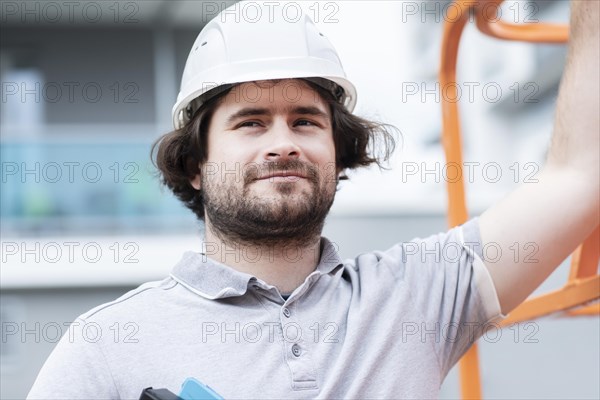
(297, 353)
(296, 350)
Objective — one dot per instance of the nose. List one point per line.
(281, 145)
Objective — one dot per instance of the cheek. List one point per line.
(228, 147)
(222, 150)
(325, 159)
(229, 166)
(328, 173)
(321, 149)
(328, 156)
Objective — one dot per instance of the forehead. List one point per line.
(277, 94)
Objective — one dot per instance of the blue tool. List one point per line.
(192, 389)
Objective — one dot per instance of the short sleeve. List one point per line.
(76, 369)
(450, 287)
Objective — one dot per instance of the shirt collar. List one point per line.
(213, 280)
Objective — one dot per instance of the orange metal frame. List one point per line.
(583, 285)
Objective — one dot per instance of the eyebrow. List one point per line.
(254, 111)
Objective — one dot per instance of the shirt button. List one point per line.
(296, 350)
(287, 312)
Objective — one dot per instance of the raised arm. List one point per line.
(548, 219)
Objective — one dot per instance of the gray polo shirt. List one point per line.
(386, 324)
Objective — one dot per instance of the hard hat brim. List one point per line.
(260, 70)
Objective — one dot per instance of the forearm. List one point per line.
(575, 141)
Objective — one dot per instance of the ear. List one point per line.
(195, 182)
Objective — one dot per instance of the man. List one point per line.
(268, 310)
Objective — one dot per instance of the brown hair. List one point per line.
(177, 154)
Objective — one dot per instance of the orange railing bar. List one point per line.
(582, 286)
(457, 205)
(451, 141)
(584, 261)
(488, 23)
(585, 311)
(543, 33)
(569, 296)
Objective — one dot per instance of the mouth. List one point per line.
(288, 175)
(282, 177)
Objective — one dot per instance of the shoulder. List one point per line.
(456, 245)
(134, 303)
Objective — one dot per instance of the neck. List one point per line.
(284, 265)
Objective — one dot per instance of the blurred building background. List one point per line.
(88, 86)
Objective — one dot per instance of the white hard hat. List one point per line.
(233, 48)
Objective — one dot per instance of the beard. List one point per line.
(292, 216)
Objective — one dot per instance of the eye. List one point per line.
(249, 124)
(305, 122)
